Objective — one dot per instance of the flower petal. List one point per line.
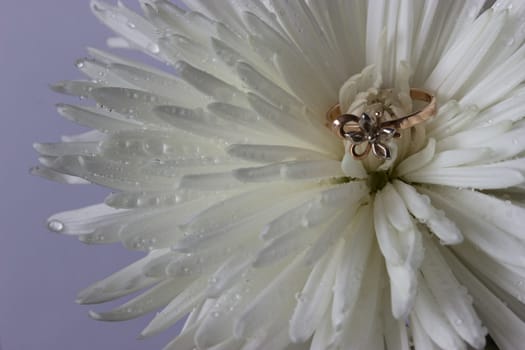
(315, 297)
(507, 330)
(451, 297)
(420, 206)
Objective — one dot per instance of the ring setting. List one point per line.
(373, 129)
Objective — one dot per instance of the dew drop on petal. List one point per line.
(153, 48)
(55, 225)
(79, 63)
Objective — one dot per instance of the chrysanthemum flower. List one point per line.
(255, 218)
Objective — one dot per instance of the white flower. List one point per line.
(253, 217)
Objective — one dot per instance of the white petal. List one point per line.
(420, 206)
(271, 153)
(311, 211)
(61, 149)
(451, 297)
(395, 211)
(53, 175)
(403, 285)
(417, 160)
(466, 54)
(482, 233)
(365, 320)
(210, 85)
(159, 83)
(123, 282)
(85, 220)
(419, 335)
(323, 338)
(316, 138)
(289, 243)
(272, 301)
(135, 104)
(184, 341)
(127, 24)
(240, 206)
(158, 296)
(396, 337)
(468, 177)
(506, 282)
(96, 118)
(292, 170)
(315, 297)
(177, 308)
(331, 236)
(501, 79)
(502, 213)
(386, 234)
(506, 328)
(459, 157)
(433, 321)
(473, 137)
(350, 272)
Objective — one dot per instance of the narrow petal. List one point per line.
(272, 300)
(177, 308)
(315, 297)
(506, 328)
(350, 272)
(452, 298)
(420, 206)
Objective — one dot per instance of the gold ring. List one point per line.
(372, 130)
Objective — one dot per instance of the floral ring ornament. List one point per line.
(374, 129)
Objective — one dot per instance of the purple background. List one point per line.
(41, 272)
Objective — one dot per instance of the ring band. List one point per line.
(374, 131)
(419, 116)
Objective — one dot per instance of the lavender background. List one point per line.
(41, 272)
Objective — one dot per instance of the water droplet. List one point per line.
(458, 322)
(153, 48)
(131, 25)
(215, 314)
(55, 225)
(79, 64)
(300, 297)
